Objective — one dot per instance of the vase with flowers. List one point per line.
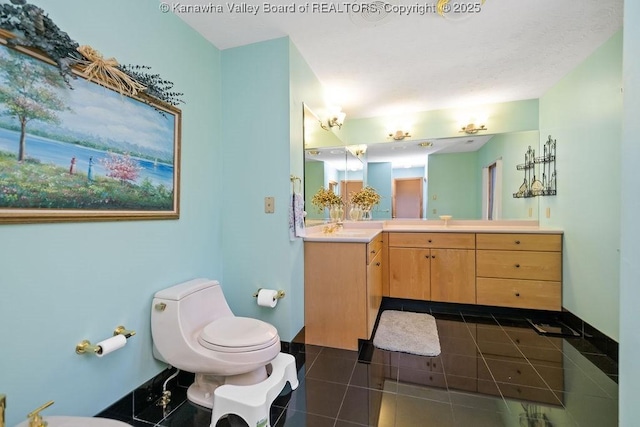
(327, 199)
(365, 199)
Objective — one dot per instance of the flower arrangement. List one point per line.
(325, 199)
(365, 198)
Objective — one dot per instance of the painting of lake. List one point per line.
(83, 152)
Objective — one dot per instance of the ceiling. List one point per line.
(378, 64)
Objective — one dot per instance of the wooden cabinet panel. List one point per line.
(541, 295)
(520, 242)
(409, 273)
(374, 248)
(374, 292)
(453, 275)
(433, 240)
(520, 265)
(335, 284)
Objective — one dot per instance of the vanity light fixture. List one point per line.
(336, 118)
(472, 128)
(399, 135)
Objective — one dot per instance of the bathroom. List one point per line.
(65, 282)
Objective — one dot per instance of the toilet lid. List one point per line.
(238, 334)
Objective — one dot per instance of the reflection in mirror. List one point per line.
(473, 177)
(335, 168)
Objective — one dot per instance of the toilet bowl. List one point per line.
(60, 421)
(194, 330)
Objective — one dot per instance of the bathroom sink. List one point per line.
(59, 421)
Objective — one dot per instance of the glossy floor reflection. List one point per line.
(491, 372)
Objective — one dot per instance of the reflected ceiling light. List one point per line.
(313, 152)
(472, 128)
(426, 144)
(399, 135)
(336, 118)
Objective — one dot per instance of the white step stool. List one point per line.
(252, 402)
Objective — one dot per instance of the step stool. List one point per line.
(252, 402)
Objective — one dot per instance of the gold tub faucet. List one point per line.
(35, 419)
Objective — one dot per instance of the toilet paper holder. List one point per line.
(279, 295)
(85, 346)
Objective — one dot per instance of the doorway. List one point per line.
(348, 187)
(407, 198)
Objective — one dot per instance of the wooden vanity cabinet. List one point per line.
(432, 266)
(343, 291)
(519, 270)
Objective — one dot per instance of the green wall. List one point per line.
(503, 117)
(583, 112)
(264, 86)
(630, 227)
(453, 187)
(62, 283)
(379, 177)
(509, 147)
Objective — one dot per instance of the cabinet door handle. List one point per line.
(377, 264)
(517, 294)
(429, 240)
(517, 265)
(373, 251)
(517, 242)
(433, 256)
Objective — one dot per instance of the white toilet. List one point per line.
(194, 330)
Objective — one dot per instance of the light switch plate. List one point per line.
(269, 205)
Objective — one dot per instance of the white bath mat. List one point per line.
(408, 332)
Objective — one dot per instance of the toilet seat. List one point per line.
(238, 335)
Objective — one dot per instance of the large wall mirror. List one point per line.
(470, 177)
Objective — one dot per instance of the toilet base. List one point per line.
(252, 402)
(202, 390)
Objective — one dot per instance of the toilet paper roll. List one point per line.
(267, 298)
(111, 344)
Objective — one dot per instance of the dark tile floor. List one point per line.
(491, 372)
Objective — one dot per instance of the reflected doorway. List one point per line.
(407, 198)
(348, 187)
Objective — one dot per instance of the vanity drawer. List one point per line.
(374, 247)
(520, 242)
(519, 265)
(433, 240)
(534, 294)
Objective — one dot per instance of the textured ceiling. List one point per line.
(510, 50)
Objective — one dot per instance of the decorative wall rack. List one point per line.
(543, 183)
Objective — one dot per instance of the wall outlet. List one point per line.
(269, 205)
(435, 211)
(530, 212)
(548, 212)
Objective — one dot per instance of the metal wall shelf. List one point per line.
(532, 186)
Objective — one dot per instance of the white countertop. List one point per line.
(365, 231)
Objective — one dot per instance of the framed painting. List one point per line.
(82, 153)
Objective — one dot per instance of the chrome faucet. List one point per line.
(3, 406)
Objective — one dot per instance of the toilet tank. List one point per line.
(189, 307)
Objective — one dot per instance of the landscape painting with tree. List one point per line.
(84, 152)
